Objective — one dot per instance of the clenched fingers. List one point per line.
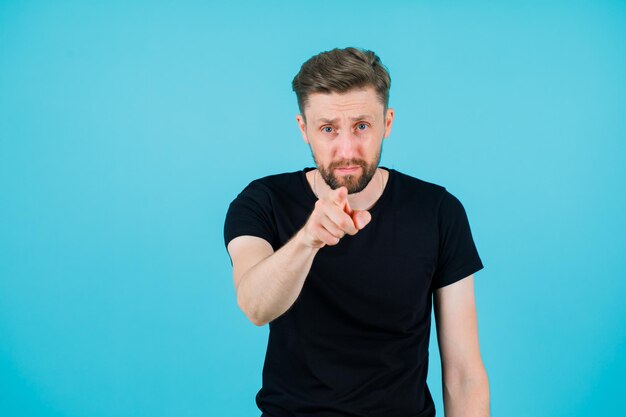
(341, 219)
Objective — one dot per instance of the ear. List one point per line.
(388, 122)
(302, 126)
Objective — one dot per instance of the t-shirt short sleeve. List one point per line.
(250, 214)
(458, 257)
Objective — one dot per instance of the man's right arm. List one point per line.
(267, 282)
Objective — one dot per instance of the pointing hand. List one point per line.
(332, 219)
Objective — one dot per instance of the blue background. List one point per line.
(126, 128)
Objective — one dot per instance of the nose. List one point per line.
(347, 144)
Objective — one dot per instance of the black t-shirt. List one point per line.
(355, 342)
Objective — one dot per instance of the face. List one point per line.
(345, 133)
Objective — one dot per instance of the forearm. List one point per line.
(466, 396)
(270, 287)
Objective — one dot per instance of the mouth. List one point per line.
(348, 170)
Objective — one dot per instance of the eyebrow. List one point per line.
(354, 119)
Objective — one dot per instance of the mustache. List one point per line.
(347, 163)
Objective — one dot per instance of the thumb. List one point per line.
(361, 218)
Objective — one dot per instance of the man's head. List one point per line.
(343, 98)
(339, 71)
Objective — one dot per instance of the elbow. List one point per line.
(257, 322)
(255, 317)
(251, 312)
(474, 378)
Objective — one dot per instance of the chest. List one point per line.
(380, 277)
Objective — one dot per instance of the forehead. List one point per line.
(336, 105)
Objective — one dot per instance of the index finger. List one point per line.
(339, 196)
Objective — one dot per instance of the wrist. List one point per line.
(306, 242)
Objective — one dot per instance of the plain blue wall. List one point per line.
(126, 128)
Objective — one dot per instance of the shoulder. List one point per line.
(277, 182)
(252, 212)
(284, 179)
(414, 189)
(285, 189)
(430, 198)
(411, 182)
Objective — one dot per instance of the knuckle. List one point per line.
(322, 205)
(345, 223)
(336, 232)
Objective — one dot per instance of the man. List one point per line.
(344, 262)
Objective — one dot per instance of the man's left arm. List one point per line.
(465, 383)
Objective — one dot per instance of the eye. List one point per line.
(327, 129)
(361, 126)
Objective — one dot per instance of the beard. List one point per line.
(354, 183)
